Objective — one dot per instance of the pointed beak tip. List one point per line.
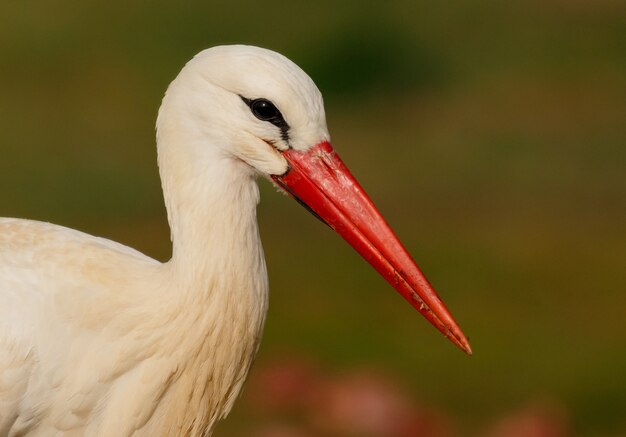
(457, 337)
(465, 346)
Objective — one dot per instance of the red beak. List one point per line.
(318, 179)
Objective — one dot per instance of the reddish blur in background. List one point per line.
(492, 135)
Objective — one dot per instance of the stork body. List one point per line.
(99, 339)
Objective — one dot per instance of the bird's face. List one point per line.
(252, 103)
(258, 107)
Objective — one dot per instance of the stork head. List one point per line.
(255, 106)
(251, 103)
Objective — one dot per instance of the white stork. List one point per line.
(98, 339)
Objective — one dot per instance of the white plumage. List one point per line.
(98, 339)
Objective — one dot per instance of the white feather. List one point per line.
(99, 339)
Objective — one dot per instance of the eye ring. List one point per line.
(264, 110)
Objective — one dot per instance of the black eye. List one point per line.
(264, 110)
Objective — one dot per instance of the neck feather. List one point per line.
(217, 268)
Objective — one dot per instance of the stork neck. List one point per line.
(218, 275)
(212, 216)
(210, 196)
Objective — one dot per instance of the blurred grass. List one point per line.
(492, 135)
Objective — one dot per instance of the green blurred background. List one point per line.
(492, 135)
